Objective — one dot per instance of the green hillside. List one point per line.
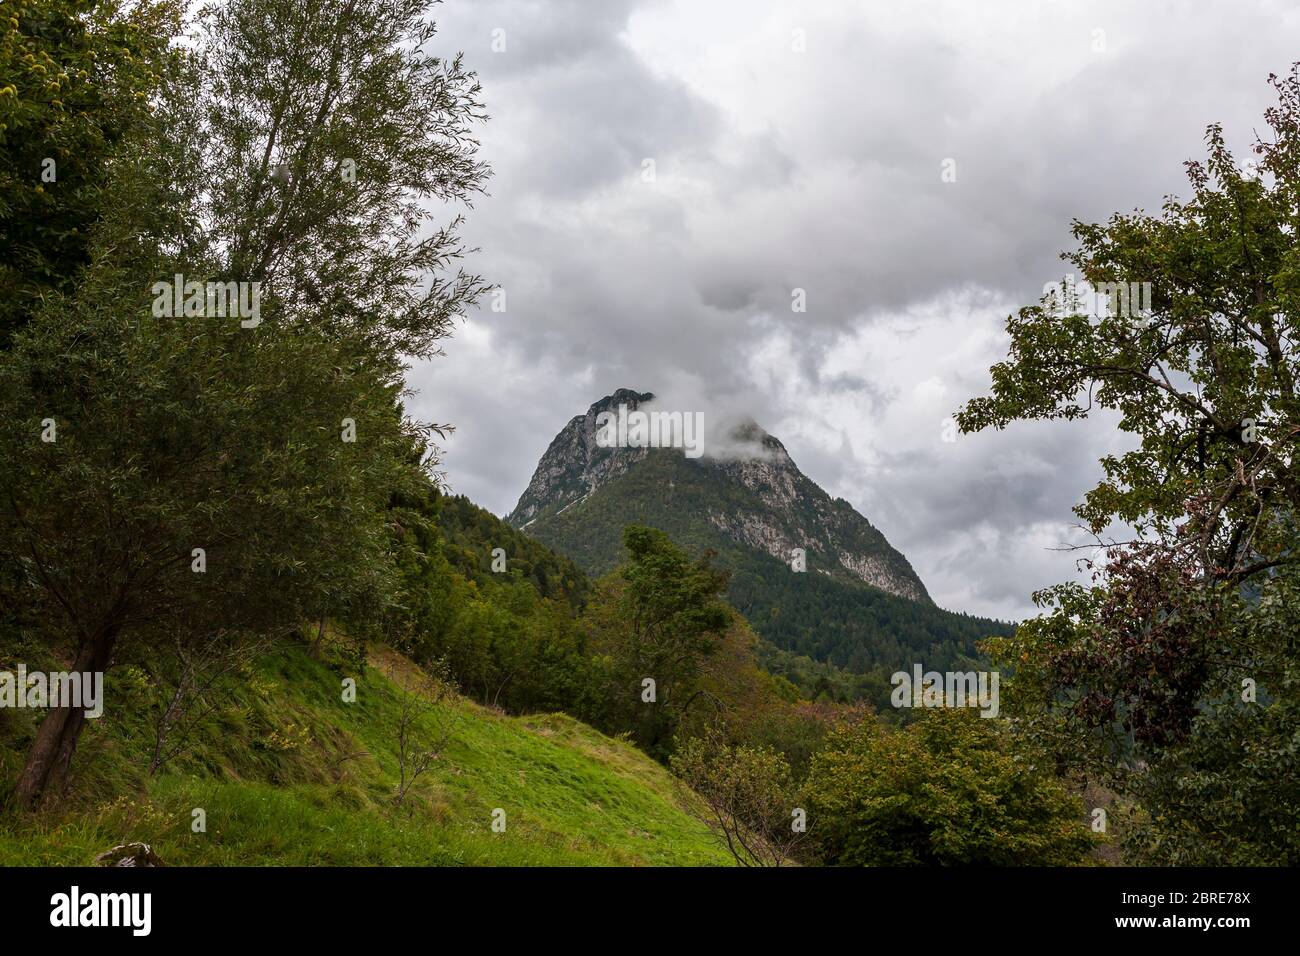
(289, 774)
(817, 613)
(467, 534)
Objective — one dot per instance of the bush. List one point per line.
(950, 789)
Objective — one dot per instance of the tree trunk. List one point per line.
(320, 639)
(56, 740)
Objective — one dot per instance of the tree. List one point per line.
(1144, 677)
(79, 76)
(196, 486)
(199, 478)
(656, 620)
(424, 724)
(338, 133)
(949, 789)
(744, 794)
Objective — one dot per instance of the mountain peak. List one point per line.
(746, 491)
(620, 396)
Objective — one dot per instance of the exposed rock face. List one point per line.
(754, 495)
(574, 465)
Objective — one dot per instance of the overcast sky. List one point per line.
(803, 146)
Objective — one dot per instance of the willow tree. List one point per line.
(1174, 675)
(202, 476)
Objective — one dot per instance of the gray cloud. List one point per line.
(821, 170)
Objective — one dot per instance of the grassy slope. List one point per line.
(273, 770)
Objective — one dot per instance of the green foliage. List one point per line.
(513, 639)
(470, 534)
(854, 627)
(510, 639)
(77, 79)
(950, 789)
(658, 618)
(746, 796)
(797, 732)
(1218, 784)
(820, 681)
(539, 636)
(182, 433)
(1142, 680)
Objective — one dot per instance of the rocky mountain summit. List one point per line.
(744, 489)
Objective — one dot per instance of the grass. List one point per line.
(288, 774)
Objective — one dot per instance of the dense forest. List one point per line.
(855, 627)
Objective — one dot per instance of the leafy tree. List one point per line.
(1144, 678)
(739, 690)
(1229, 794)
(79, 76)
(656, 619)
(799, 731)
(949, 789)
(171, 438)
(340, 133)
(745, 794)
(176, 434)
